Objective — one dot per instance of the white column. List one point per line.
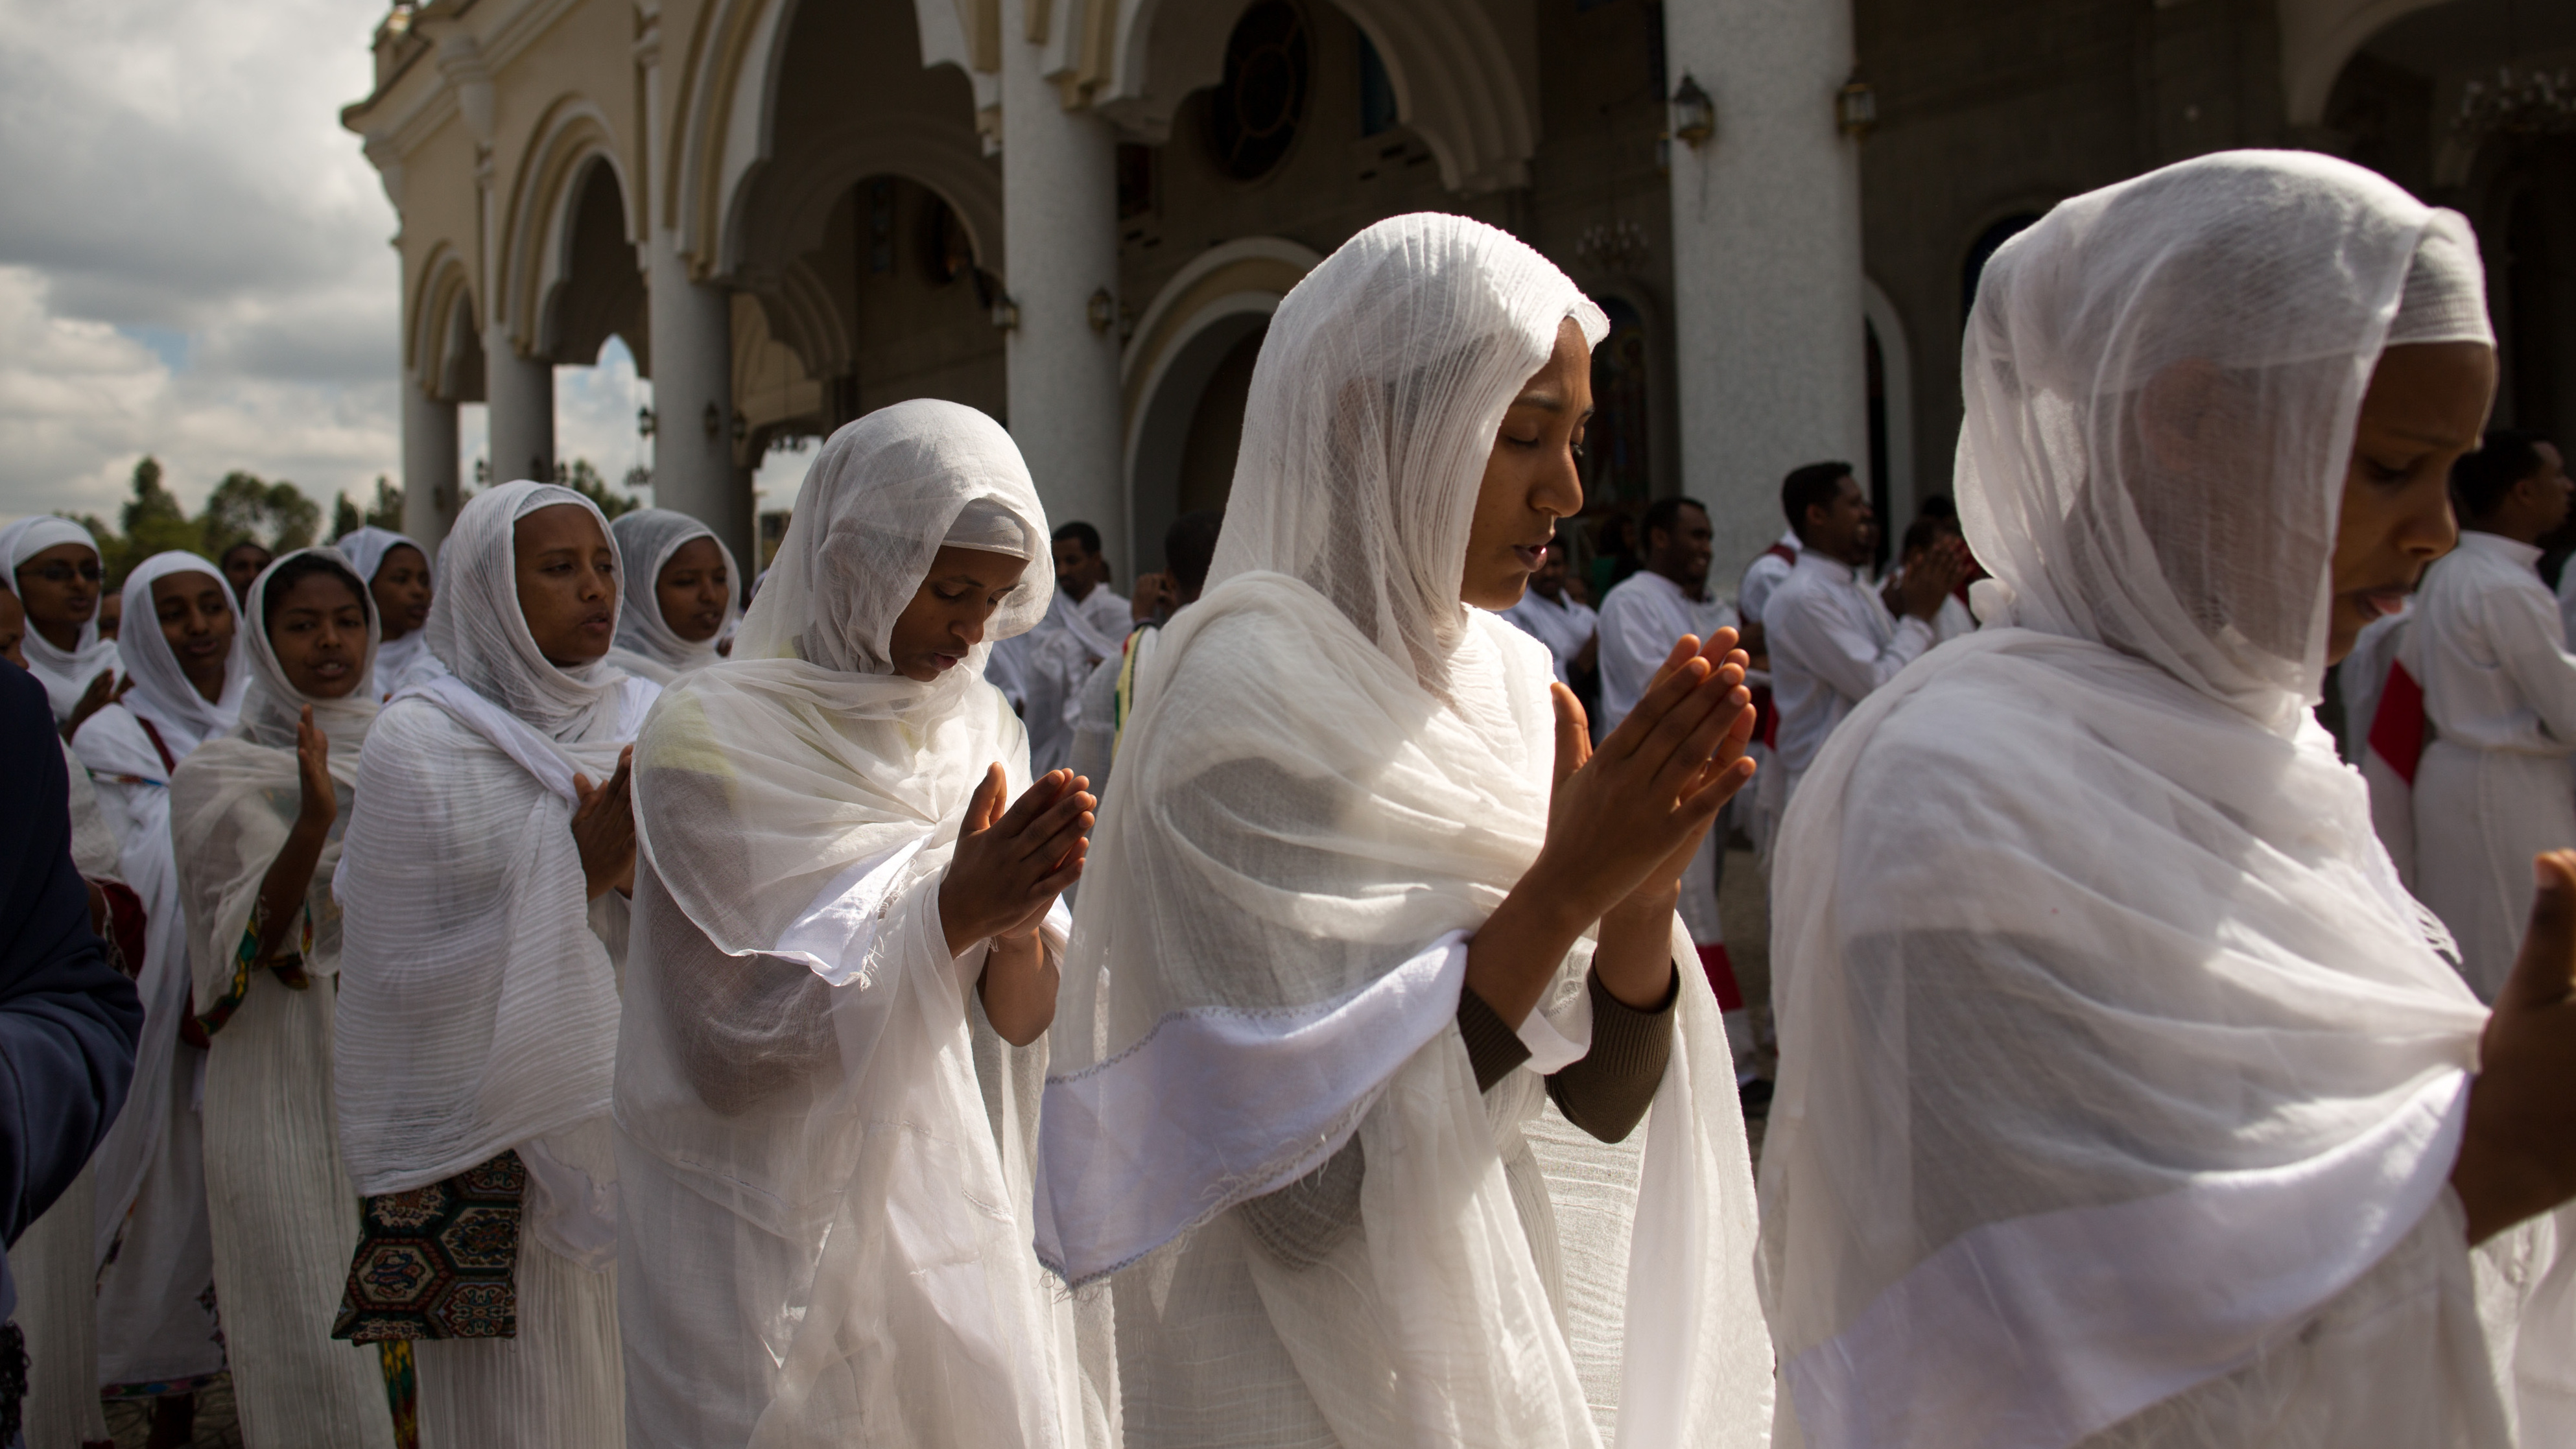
(1059, 249)
(692, 351)
(693, 469)
(429, 464)
(521, 391)
(1767, 293)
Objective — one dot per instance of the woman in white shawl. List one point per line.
(2128, 1098)
(52, 566)
(824, 1126)
(480, 884)
(256, 817)
(182, 649)
(396, 572)
(1360, 913)
(681, 592)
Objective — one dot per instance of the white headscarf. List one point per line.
(234, 801)
(399, 662)
(646, 644)
(365, 548)
(1338, 773)
(791, 995)
(2115, 1059)
(66, 675)
(477, 627)
(162, 693)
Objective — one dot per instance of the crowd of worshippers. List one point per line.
(516, 998)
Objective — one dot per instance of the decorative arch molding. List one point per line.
(2319, 37)
(728, 146)
(1465, 74)
(442, 348)
(537, 231)
(782, 212)
(1223, 295)
(1896, 367)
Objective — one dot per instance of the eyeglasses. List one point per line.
(61, 573)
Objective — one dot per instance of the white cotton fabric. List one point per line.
(2494, 787)
(2121, 1080)
(477, 1009)
(65, 674)
(824, 1150)
(1641, 617)
(1764, 574)
(647, 646)
(1338, 770)
(1564, 624)
(151, 1197)
(1831, 641)
(281, 1211)
(1054, 663)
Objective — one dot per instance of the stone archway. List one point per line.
(1184, 375)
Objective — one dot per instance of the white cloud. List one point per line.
(193, 261)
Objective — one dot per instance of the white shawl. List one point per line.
(234, 801)
(2120, 1074)
(822, 1244)
(1338, 772)
(478, 1006)
(118, 751)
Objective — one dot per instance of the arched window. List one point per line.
(1253, 116)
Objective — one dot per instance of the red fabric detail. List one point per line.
(123, 927)
(167, 762)
(1781, 551)
(1766, 717)
(2397, 730)
(192, 1032)
(1721, 976)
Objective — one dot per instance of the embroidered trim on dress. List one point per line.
(439, 1261)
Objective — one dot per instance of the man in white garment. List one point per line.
(1114, 692)
(1083, 626)
(1555, 615)
(2493, 788)
(1833, 639)
(1639, 620)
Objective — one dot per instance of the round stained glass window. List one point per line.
(1253, 115)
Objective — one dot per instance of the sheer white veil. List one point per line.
(2113, 1053)
(365, 549)
(1337, 772)
(2201, 544)
(477, 628)
(646, 538)
(1373, 407)
(884, 494)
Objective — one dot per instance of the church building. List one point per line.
(1078, 215)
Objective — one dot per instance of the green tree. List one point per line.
(386, 512)
(584, 479)
(243, 506)
(153, 523)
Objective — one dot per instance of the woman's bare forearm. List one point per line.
(281, 891)
(1018, 987)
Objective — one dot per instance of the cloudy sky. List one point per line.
(194, 260)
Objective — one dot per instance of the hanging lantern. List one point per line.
(1694, 115)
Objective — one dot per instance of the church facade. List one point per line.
(1078, 215)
